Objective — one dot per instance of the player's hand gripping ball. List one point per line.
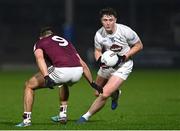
(109, 58)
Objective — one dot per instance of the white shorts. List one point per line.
(122, 71)
(69, 75)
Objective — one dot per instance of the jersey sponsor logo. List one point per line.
(116, 48)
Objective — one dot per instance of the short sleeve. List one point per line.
(37, 45)
(131, 36)
(73, 48)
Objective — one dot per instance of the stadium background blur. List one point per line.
(156, 21)
(150, 98)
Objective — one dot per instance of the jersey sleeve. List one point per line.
(131, 36)
(73, 48)
(97, 41)
(37, 45)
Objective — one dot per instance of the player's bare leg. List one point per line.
(35, 82)
(101, 81)
(111, 86)
(63, 96)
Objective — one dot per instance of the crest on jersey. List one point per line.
(116, 48)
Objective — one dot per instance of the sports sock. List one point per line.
(27, 117)
(87, 115)
(63, 111)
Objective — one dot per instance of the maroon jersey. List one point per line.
(58, 51)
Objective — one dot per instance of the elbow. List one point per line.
(140, 45)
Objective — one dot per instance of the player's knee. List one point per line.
(102, 97)
(106, 95)
(28, 85)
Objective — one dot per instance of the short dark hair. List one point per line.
(46, 30)
(107, 11)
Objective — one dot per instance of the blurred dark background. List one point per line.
(157, 22)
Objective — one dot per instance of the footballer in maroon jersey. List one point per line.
(66, 69)
(59, 51)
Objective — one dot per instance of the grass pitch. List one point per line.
(150, 100)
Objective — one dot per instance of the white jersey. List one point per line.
(120, 41)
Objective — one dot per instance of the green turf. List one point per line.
(150, 100)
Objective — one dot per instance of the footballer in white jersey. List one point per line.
(126, 43)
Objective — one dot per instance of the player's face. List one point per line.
(108, 22)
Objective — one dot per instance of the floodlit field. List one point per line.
(150, 100)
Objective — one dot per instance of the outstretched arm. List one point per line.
(88, 76)
(86, 70)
